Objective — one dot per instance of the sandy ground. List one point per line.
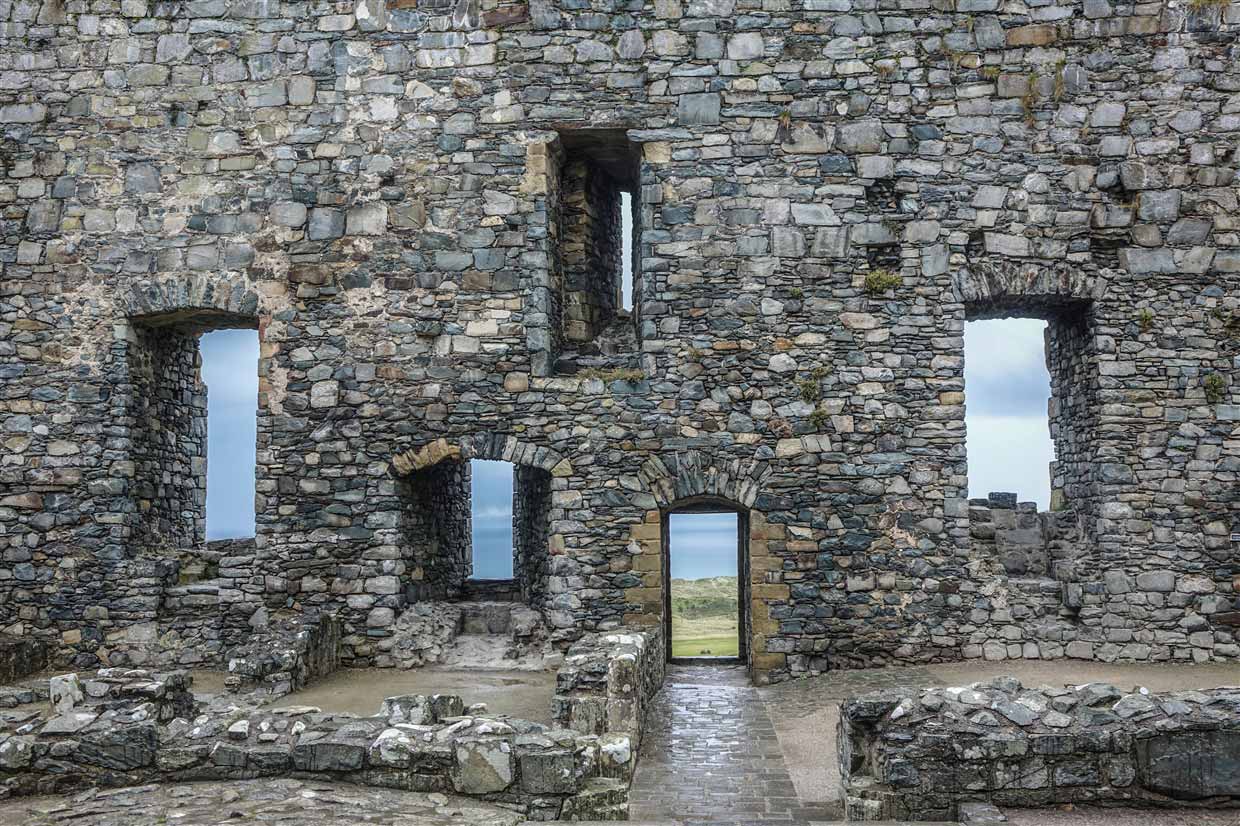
(524, 694)
(806, 731)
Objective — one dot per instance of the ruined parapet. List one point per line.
(168, 694)
(289, 654)
(607, 682)
(919, 755)
(418, 743)
(1029, 590)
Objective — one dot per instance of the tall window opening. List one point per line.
(229, 372)
(705, 584)
(1007, 417)
(597, 249)
(491, 512)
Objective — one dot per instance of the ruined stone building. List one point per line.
(420, 207)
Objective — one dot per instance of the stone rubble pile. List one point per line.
(920, 755)
(468, 635)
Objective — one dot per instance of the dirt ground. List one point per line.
(524, 694)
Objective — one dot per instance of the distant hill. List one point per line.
(707, 597)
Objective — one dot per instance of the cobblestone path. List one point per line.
(710, 754)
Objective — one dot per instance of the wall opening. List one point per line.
(598, 248)
(477, 530)
(1028, 382)
(705, 582)
(230, 375)
(1007, 415)
(193, 450)
(626, 228)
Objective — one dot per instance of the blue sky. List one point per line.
(703, 545)
(1009, 447)
(1006, 390)
(492, 519)
(230, 371)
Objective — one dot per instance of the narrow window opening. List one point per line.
(705, 585)
(229, 372)
(626, 229)
(597, 250)
(491, 511)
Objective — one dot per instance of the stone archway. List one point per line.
(497, 446)
(203, 301)
(695, 478)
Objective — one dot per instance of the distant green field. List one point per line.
(704, 617)
(705, 647)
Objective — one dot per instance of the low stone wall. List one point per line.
(607, 681)
(167, 695)
(920, 755)
(286, 655)
(415, 743)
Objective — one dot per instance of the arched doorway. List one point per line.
(705, 577)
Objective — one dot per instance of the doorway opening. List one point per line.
(706, 583)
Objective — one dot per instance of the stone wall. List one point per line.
(824, 197)
(923, 756)
(287, 654)
(114, 732)
(607, 682)
(20, 657)
(590, 249)
(435, 539)
(531, 535)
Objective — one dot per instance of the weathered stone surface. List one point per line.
(420, 207)
(1086, 743)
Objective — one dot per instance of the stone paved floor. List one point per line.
(252, 802)
(721, 751)
(711, 755)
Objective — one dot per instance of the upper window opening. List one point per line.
(598, 244)
(491, 519)
(229, 360)
(1007, 381)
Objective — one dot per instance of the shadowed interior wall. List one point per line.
(590, 249)
(169, 439)
(531, 533)
(436, 531)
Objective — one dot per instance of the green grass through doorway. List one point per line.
(704, 617)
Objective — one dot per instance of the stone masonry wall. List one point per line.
(828, 191)
(169, 440)
(925, 756)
